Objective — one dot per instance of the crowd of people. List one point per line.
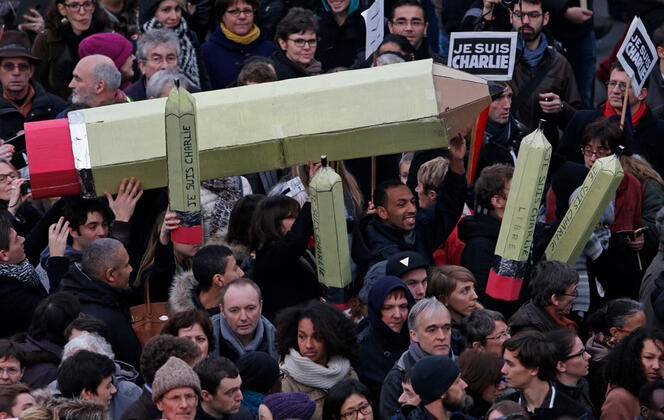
(245, 330)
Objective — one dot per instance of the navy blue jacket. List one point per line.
(223, 58)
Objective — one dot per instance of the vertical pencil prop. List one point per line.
(510, 259)
(625, 102)
(329, 218)
(585, 211)
(182, 160)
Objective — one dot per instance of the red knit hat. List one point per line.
(112, 45)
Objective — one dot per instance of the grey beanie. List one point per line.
(175, 373)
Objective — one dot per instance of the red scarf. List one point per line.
(608, 111)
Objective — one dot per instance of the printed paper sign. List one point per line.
(637, 54)
(374, 21)
(489, 55)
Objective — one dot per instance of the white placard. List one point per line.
(374, 18)
(490, 55)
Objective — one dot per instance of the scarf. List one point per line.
(228, 191)
(251, 400)
(24, 272)
(608, 111)
(247, 39)
(533, 57)
(261, 331)
(26, 105)
(187, 61)
(311, 374)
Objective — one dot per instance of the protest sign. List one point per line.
(373, 19)
(637, 54)
(490, 55)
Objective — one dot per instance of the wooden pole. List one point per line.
(373, 158)
(471, 163)
(624, 107)
(583, 3)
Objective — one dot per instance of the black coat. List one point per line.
(142, 409)
(284, 279)
(285, 68)
(108, 304)
(480, 233)
(45, 106)
(563, 406)
(340, 46)
(532, 317)
(500, 147)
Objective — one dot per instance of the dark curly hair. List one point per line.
(157, 351)
(188, 319)
(337, 330)
(623, 365)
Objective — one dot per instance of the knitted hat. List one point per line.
(112, 45)
(403, 262)
(291, 405)
(175, 373)
(259, 371)
(432, 376)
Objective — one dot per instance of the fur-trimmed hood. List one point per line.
(180, 297)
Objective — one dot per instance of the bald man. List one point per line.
(95, 80)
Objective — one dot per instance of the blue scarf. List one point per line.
(533, 57)
(353, 6)
(252, 399)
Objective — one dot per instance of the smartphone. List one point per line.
(25, 5)
(26, 188)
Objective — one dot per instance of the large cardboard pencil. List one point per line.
(515, 238)
(330, 232)
(586, 210)
(184, 178)
(358, 113)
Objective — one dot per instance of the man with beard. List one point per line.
(95, 80)
(437, 381)
(543, 81)
(529, 367)
(552, 291)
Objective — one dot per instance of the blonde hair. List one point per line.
(442, 280)
(432, 173)
(641, 169)
(38, 412)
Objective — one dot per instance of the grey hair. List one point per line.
(479, 324)
(425, 306)
(389, 58)
(161, 36)
(659, 222)
(107, 73)
(88, 341)
(100, 255)
(164, 78)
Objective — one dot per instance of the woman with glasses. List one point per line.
(297, 38)
(342, 34)
(68, 22)
(316, 344)
(348, 400)
(636, 360)
(572, 361)
(481, 371)
(236, 38)
(153, 14)
(609, 325)
(15, 200)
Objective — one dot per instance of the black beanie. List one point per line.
(258, 370)
(432, 376)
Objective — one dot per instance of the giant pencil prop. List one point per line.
(184, 178)
(510, 260)
(330, 232)
(585, 211)
(359, 113)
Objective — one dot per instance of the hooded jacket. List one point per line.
(109, 304)
(224, 58)
(341, 45)
(480, 233)
(183, 295)
(380, 347)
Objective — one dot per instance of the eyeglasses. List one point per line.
(352, 414)
(299, 42)
(531, 15)
(11, 175)
(11, 371)
(580, 353)
(574, 294)
(404, 22)
(502, 335)
(158, 59)
(600, 152)
(611, 84)
(9, 67)
(237, 12)
(75, 7)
